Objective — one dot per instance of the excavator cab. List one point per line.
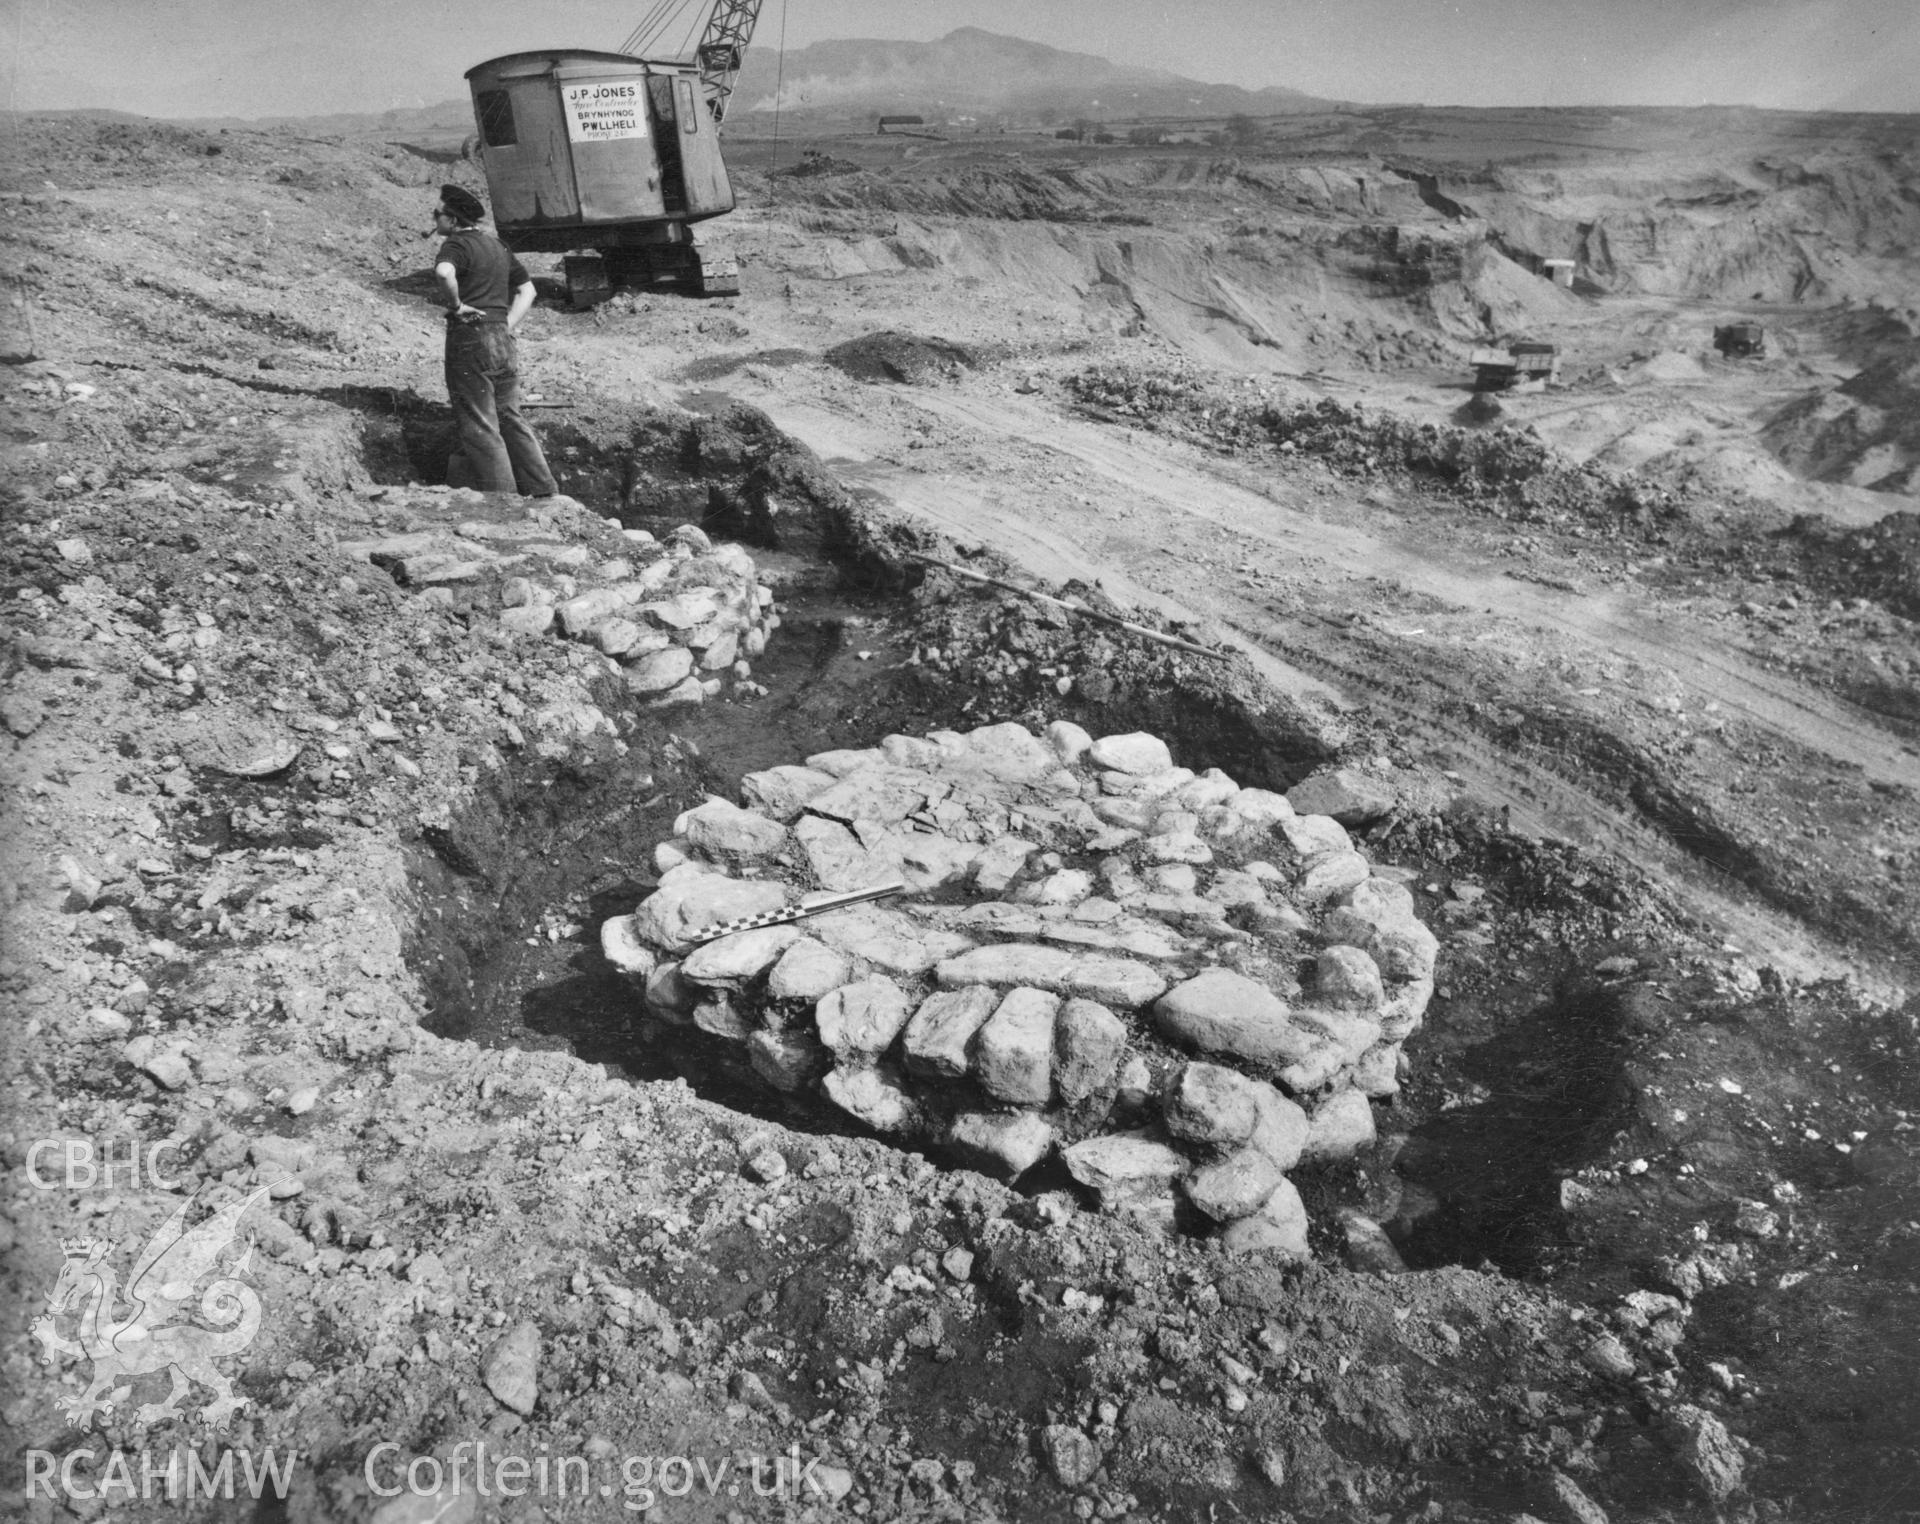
(608, 159)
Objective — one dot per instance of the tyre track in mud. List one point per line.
(1175, 520)
(1695, 657)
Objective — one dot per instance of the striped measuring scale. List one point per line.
(791, 913)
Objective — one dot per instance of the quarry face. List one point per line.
(1393, 999)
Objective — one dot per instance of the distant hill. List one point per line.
(968, 73)
(454, 116)
(981, 74)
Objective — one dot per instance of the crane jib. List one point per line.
(722, 47)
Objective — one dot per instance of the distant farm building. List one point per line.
(903, 124)
(1517, 368)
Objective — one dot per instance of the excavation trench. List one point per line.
(511, 893)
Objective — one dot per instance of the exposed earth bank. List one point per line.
(314, 819)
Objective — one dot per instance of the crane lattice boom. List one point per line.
(729, 30)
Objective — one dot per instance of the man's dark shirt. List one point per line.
(486, 268)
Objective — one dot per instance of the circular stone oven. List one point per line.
(1182, 986)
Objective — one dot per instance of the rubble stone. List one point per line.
(1346, 794)
(863, 1018)
(722, 830)
(1013, 1054)
(1278, 1227)
(1120, 1166)
(1212, 1105)
(1136, 754)
(1088, 1042)
(1011, 1143)
(807, 970)
(511, 1368)
(940, 1035)
(1341, 1126)
(1234, 1187)
(871, 1098)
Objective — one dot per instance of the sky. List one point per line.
(250, 58)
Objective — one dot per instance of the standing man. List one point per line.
(488, 292)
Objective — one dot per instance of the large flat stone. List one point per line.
(784, 791)
(836, 856)
(1124, 1165)
(924, 861)
(893, 942)
(690, 898)
(1221, 1011)
(735, 961)
(884, 795)
(1010, 753)
(1091, 976)
(1123, 934)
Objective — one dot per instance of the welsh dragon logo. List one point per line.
(164, 1277)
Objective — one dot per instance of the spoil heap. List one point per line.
(1509, 473)
(1086, 917)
